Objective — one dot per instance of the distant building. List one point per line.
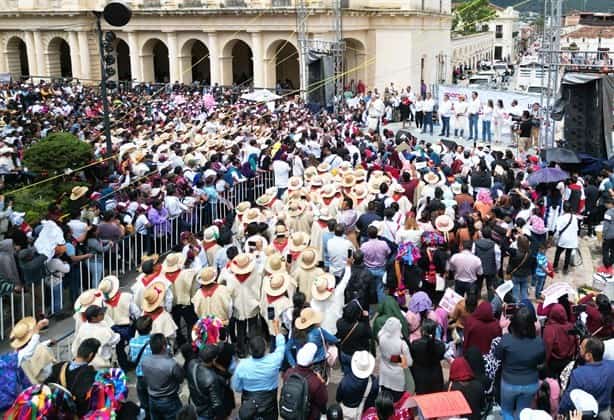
(469, 50)
(505, 28)
(588, 31)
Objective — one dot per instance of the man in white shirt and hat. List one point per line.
(306, 271)
(328, 299)
(212, 298)
(31, 355)
(96, 327)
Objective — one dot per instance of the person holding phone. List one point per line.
(274, 300)
(395, 358)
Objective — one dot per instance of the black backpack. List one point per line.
(380, 205)
(294, 400)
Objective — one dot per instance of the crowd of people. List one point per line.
(412, 268)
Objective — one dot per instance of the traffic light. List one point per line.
(109, 59)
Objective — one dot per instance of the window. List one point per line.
(499, 31)
(498, 53)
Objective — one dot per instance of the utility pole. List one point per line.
(301, 30)
(338, 51)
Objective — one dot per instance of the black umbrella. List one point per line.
(405, 133)
(451, 145)
(559, 155)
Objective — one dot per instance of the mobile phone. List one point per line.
(270, 313)
(578, 309)
(510, 310)
(395, 358)
(350, 252)
(289, 258)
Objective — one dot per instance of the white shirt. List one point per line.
(568, 238)
(337, 249)
(281, 170)
(419, 106)
(428, 105)
(174, 206)
(78, 228)
(332, 308)
(460, 108)
(474, 106)
(487, 113)
(445, 108)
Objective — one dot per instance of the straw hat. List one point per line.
(295, 183)
(78, 192)
(323, 167)
(308, 258)
(265, 199)
(362, 364)
(152, 257)
(444, 223)
(242, 264)
(360, 175)
(295, 208)
(310, 172)
(242, 207)
(325, 214)
(328, 191)
(251, 215)
(22, 332)
(109, 286)
(360, 191)
(276, 284)
(456, 188)
(298, 241)
(398, 188)
(207, 275)
(307, 318)
(348, 181)
(281, 230)
(431, 178)
(344, 167)
(211, 234)
(316, 181)
(88, 298)
(153, 296)
(274, 264)
(323, 286)
(173, 262)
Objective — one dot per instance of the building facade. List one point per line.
(229, 41)
(468, 50)
(506, 31)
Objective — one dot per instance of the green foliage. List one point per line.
(35, 201)
(470, 15)
(57, 152)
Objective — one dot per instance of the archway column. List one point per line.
(75, 59)
(185, 68)
(39, 49)
(174, 73)
(270, 72)
(258, 60)
(84, 50)
(226, 70)
(33, 63)
(135, 57)
(215, 59)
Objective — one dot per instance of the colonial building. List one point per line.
(226, 41)
(468, 50)
(505, 27)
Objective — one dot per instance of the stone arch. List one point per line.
(59, 62)
(195, 57)
(155, 61)
(123, 67)
(354, 57)
(16, 53)
(238, 63)
(282, 65)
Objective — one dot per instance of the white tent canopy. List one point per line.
(261, 95)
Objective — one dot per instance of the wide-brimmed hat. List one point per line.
(328, 191)
(274, 264)
(242, 207)
(276, 284)
(207, 275)
(150, 257)
(173, 262)
(265, 199)
(444, 223)
(109, 286)
(456, 188)
(298, 241)
(211, 234)
(308, 258)
(397, 188)
(323, 286)
(307, 318)
(242, 264)
(348, 181)
(362, 364)
(153, 296)
(78, 192)
(251, 215)
(360, 191)
(360, 175)
(323, 167)
(295, 183)
(88, 298)
(281, 230)
(316, 181)
(295, 208)
(310, 172)
(431, 178)
(22, 332)
(325, 214)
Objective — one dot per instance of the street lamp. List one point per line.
(115, 13)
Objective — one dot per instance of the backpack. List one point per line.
(465, 208)
(294, 400)
(14, 380)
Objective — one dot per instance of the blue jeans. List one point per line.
(428, 120)
(378, 273)
(473, 126)
(521, 288)
(165, 408)
(280, 192)
(57, 298)
(486, 134)
(539, 285)
(445, 126)
(514, 398)
(346, 362)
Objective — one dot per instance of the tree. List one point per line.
(56, 153)
(469, 15)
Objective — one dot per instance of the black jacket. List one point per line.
(78, 382)
(520, 264)
(206, 390)
(361, 286)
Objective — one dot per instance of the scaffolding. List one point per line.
(334, 48)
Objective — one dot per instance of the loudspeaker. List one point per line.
(316, 94)
(584, 119)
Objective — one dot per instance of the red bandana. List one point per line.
(208, 291)
(209, 245)
(242, 277)
(327, 201)
(271, 299)
(149, 278)
(155, 314)
(323, 224)
(114, 300)
(280, 245)
(396, 196)
(270, 205)
(172, 276)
